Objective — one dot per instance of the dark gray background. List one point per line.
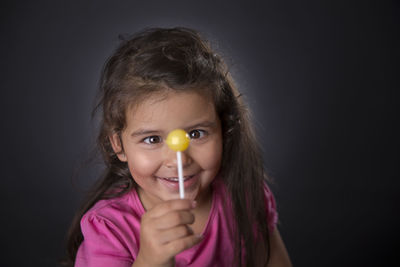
(320, 76)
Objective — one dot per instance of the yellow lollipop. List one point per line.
(178, 140)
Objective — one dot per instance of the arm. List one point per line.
(279, 254)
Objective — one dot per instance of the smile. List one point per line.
(176, 179)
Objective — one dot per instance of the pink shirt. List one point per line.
(111, 231)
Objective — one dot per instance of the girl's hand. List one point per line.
(164, 232)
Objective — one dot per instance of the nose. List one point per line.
(171, 159)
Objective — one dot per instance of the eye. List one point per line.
(196, 134)
(151, 140)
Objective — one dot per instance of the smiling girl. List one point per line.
(157, 81)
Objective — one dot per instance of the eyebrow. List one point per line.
(205, 124)
(141, 132)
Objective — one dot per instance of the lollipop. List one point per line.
(178, 140)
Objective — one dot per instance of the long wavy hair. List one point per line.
(180, 59)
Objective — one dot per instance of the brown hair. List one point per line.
(180, 59)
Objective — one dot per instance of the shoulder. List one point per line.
(115, 212)
(111, 227)
(124, 203)
(270, 207)
(269, 200)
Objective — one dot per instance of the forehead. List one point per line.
(171, 109)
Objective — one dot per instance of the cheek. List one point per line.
(143, 164)
(210, 156)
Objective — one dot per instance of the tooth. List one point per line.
(176, 179)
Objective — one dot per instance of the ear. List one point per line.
(116, 144)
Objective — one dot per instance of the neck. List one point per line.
(202, 212)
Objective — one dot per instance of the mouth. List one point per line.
(189, 181)
(176, 179)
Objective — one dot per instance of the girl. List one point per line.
(157, 81)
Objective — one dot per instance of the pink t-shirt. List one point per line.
(111, 231)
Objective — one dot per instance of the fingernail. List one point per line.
(194, 204)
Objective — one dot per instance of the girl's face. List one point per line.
(153, 164)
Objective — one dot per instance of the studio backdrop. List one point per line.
(321, 79)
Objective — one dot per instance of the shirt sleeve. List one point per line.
(103, 245)
(270, 205)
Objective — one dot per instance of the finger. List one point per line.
(179, 245)
(173, 219)
(174, 234)
(170, 205)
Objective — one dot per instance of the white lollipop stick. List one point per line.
(178, 140)
(180, 175)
